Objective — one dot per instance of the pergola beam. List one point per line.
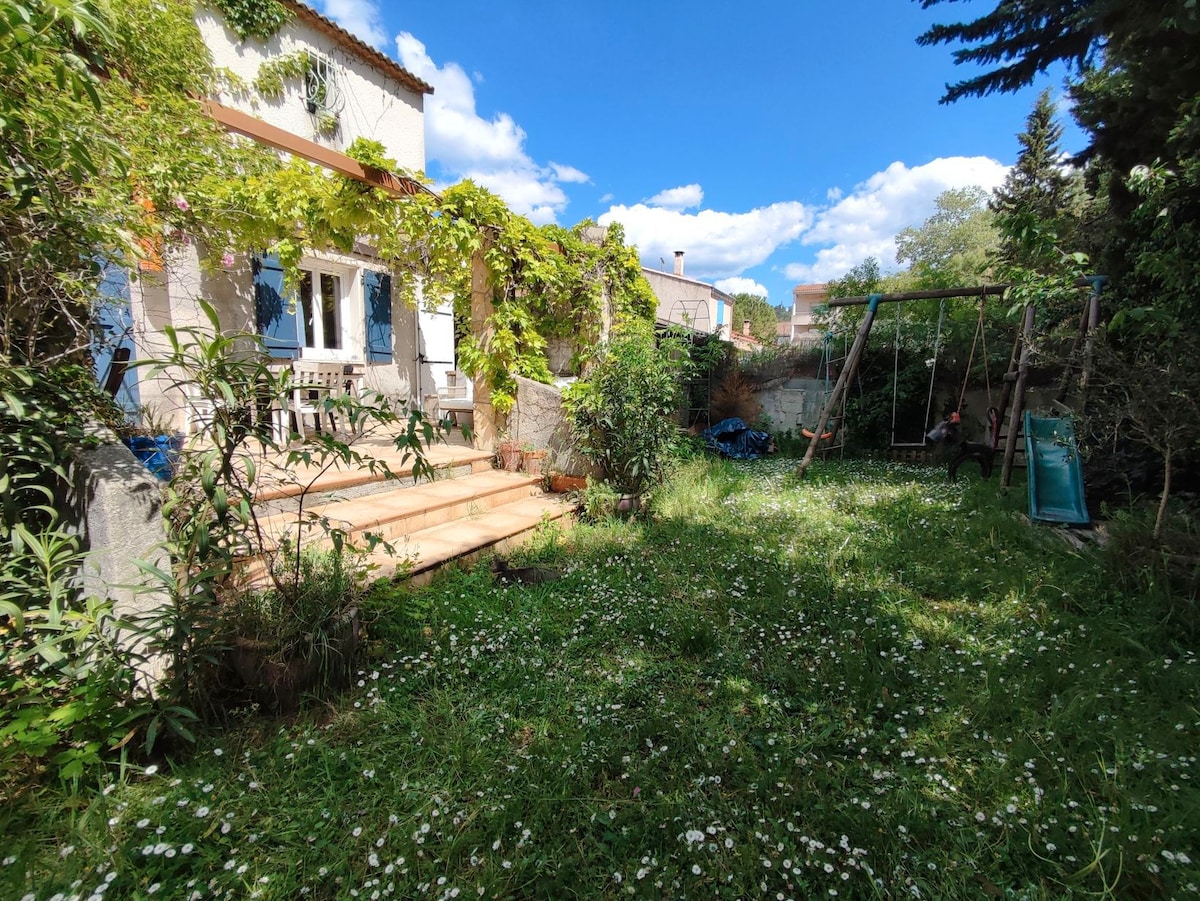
(272, 136)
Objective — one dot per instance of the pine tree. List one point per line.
(1034, 205)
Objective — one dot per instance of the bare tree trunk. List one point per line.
(1166, 492)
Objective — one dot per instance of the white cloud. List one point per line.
(489, 151)
(739, 284)
(865, 222)
(359, 17)
(569, 174)
(717, 244)
(682, 198)
(530, 196)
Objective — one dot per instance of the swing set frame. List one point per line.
(1015, 379)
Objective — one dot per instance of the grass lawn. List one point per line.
(872, 684)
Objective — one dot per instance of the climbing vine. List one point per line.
(258, 19)
(272, 74)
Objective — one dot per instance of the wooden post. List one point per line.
(1018, 407)
(485, 425)
(1010, 376)
(1093, 325)
(1064, 383)
(844, 380)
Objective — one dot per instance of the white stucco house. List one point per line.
(691, 303)
(344, 310)
(804, 325)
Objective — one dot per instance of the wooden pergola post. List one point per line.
(484, 419)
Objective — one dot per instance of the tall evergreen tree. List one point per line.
(1034, 205)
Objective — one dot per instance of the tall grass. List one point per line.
(871, 684)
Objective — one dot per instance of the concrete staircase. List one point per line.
(467, 510)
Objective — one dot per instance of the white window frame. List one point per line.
(350, 313)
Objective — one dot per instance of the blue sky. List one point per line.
(776, 143)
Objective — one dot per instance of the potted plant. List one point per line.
(153, 442)
(301, 634)
(561, 483)
(532, 459)
(508, 453)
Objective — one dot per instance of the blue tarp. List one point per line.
(733, 438)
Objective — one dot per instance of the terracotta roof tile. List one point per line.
(361, 48)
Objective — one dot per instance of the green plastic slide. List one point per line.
(1055, 474)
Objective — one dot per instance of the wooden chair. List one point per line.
(314, 383)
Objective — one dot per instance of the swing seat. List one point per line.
(808, 433)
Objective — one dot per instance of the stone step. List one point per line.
(397, 512)
(496, 531)
(281, 487)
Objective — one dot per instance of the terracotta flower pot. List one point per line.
(561, 484)
(509, 455)
(533, 462)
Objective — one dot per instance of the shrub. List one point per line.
(621, 413)
(67, 690)
(736, 395)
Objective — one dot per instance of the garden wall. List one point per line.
(116, 507)
(538, 419)
(794, 403)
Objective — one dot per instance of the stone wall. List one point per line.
(793, 404)
(538, 419)
(117, 508)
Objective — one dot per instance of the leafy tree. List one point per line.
(953, 247)
(760, 313)
(861, 280)
(102, 150)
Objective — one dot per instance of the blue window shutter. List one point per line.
(278, 325)
(377, 288)
(112, 338)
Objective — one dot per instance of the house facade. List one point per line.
(344, 309)
(804, 324)
(687, 302)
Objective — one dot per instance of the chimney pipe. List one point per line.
(745, 326)
(679, 262)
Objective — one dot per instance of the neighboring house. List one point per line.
(805, 299)
(691, 303)
(783, 332)
(344, 310)
(744, 341)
